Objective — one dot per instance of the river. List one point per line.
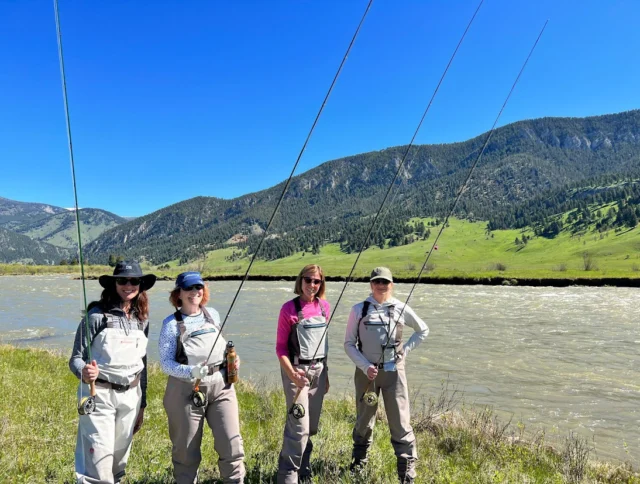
(559, 359)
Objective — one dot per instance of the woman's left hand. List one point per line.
(139, 420)
(237, 362)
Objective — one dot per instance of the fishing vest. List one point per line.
(308, 337)
(374, 341)
(195, 342)
(119, 347)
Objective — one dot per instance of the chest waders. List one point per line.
(377, 331)
(307, 346)
(191, 350)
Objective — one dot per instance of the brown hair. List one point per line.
(307, 270)
(110, 298)
(176, 302)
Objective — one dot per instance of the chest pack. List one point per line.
(195, 341)
(374, 340)
(308, 338)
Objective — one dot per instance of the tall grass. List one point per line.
(456, 444)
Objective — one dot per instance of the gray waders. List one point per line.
(186, 424)
(391, 381)
(104, 436)
(186, 421)
(307, 351)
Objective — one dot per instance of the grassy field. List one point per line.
(465, 251)
(38, 422)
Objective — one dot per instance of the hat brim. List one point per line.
(146, 282)
(380, 277)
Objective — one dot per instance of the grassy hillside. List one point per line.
(39, 423)
(465, 250)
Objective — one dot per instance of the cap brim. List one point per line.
(381, 277)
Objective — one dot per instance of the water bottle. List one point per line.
(232, 372)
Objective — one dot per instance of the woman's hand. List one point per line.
(372, 372)
(198, 372)
(326, 388)
(298, 377)
(90, 372)
(237, 362)
(139, 419)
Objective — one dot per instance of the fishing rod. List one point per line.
(87, 404)
(369, 397)
(297, 409)
(197, 395)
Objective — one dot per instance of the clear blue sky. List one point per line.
(171, 100)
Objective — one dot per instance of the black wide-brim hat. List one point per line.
(128, 269)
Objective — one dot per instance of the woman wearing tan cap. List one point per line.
(373, 341)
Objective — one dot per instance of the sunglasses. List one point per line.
(195, 287)
(311, 280)
(122, 281)
(384, 282)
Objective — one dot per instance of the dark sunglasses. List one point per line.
(310, 280)
(122, 281)
(384, 282)
(195, 287)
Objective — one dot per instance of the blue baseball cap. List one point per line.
(188, 279)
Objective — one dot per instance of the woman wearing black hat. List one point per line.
(191, 348)
(373, 341)
(118, 328)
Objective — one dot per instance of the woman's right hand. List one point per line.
(372, 372)
(90, 372)
(298, 377)
(198, 372)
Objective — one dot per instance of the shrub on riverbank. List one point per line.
(38, 422)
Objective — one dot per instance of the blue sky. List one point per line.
(171, 100)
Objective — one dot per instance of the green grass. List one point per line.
(38, 423)
(465, 251)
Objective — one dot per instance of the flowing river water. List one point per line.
(555, 359)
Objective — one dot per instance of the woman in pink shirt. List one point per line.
(301, 346)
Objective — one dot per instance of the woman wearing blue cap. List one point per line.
(118, 328)
(186, 340)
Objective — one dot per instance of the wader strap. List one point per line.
(399, 329)
(365, 311)
(296, 303)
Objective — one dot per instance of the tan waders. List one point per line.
(293, 462)
(186, 423)
(393, 385)
(105, 436)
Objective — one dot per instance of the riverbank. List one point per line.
(457, 444)
(93, 272)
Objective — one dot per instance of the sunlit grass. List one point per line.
(38, 423)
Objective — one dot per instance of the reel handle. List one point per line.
(196, 385)
(295, 398)
(92, 388)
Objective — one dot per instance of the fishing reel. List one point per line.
(370, 399)
(87, 405)
(297, 410)
(198, 398)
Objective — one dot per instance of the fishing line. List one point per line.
(87, 404)
(286, 186)
(456, 200)
(399, 169)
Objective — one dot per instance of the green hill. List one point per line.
(60, 229)
(334, 202)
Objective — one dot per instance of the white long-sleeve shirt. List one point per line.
(411, 319)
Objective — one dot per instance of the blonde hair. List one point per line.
(310, 269)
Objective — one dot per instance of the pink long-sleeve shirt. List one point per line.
(289, 316)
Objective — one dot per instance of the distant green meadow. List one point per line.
(456, 443)
(464, 251)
